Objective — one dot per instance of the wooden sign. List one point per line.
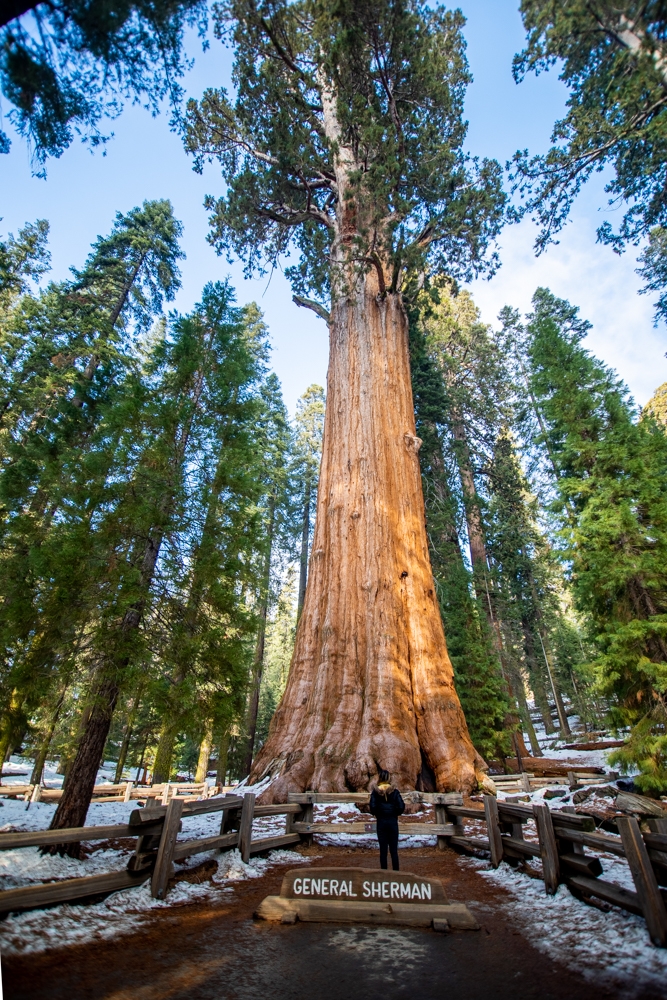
(365, 895)
(361, 884)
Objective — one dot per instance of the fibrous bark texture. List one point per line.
(371, 684)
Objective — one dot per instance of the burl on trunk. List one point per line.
(371, 684)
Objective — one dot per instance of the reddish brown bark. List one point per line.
(371, 683)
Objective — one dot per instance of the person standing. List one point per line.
(387, 805)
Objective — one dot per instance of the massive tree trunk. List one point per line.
(371, 684)
(305, 538)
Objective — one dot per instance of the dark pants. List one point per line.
(388, 838)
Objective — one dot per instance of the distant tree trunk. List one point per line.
(164, 754)
(548, 659)
(42, 753)
(105, 688)
(536, 675)
(524, 713)
(204, 754)
(305, 538)
(371, 684)
(127, 736)
(223, 752)
(11, 723)
(258, 662)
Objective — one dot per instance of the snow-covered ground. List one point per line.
(612, 947)
(122, 912)
(553, 746)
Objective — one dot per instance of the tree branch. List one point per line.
(315, 306)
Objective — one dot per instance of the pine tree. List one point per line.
(612, 477)
(67, 64)
(309, 427)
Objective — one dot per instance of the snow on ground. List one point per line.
(553, 746)
(122, 912)
(126, 911)
(611, 946)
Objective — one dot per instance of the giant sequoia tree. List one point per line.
(344, 145)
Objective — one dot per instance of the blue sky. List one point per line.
(145, 160)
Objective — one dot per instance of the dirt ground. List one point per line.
(217, 951)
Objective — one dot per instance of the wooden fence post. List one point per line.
(306, 816)
(165, 793)
(128, 791)
(644, 878)
(548, 848)
(245, 828)
(493, 828)
(441, 817)
(165, 854)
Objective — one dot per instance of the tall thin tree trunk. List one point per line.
(40, 759)
(223, 753)
(548, 659)
(371, 684)
(105, 688)
(524, 713)
(480, 567)
(127, 735)
(165, 752)
(536, 675)
(305, 538)
(204, 753)
(258, 662)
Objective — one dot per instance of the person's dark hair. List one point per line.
(383, 775)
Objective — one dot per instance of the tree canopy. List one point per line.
(389, 78)
(613, 58)
(68, 64)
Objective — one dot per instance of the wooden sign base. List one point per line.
(365, 896)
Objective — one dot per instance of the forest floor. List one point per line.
(213, 949)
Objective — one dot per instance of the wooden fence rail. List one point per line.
(558, 839)
(560, 842)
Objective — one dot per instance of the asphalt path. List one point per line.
(219, 952)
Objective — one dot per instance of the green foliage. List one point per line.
(612, 490)
(394, 73)
(657, 405)
(66, 65)
(138, 467)
(612, 58)
(23, 257)
(280, 635)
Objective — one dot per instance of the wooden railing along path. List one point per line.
(559, 840)
(125, 792)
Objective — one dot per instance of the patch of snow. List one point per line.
(126, 911)
(609, 946)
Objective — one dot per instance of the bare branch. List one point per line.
(320, 311)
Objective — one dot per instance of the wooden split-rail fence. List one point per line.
(527, 782)
(125, 792)
(558, 838)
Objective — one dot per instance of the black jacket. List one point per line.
(386, 805)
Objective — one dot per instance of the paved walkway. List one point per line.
(218, 952)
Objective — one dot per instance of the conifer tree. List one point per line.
(613, 58)
(613, 479)
(476, 666)
(309, 427)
